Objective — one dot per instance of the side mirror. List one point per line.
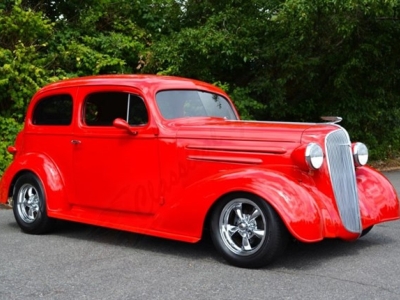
(122, 124)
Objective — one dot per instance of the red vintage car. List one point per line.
(169, 157)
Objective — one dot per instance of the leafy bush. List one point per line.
(9, 128)
(286, 60)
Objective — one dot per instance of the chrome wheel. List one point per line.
(242, 227)
(247, 231)
(28, 203)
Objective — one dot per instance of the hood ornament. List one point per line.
(331, 119)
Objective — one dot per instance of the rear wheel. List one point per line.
(29, 205)
(247, 231)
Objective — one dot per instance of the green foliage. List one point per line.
(22, 67)
(246, 106)
(45, 41)
(9, 128)
(292, 60)
(341, 58)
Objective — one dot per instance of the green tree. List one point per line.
(291, 60)
(22, 68)
(296, 60)
(45, 41)
(22, 65)
(341, 58)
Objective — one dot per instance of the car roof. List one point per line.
(157, 82)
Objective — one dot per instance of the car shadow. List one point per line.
(304, 256)
(297, 256)
(201, 249)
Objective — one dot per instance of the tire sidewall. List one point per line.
(272, 245)
(38, 224)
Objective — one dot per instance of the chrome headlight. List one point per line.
(314, 156)
(360, 154)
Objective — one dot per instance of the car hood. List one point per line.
(221, 129)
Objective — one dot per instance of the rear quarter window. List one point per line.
(54, 110)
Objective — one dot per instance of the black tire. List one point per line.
(29, 205)
(366, 231)
(247, 231)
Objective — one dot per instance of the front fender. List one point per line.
(44, 169)
(295, 205)
(378, 198)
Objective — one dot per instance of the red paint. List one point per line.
(163, 178)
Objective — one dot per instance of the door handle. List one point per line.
(75, 142)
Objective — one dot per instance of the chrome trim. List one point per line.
(357, 148)
(331, 119)
(224, 159)
(243, 227)
(238, 148)
(273, 122)
(311, 155)
(28, 203)
(343, 178)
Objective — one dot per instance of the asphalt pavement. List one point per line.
(85, 262)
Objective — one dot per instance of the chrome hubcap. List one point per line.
(242, 227)
(28, 204)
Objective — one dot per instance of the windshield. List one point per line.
(192, 103)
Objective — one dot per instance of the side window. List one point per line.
(102, 108)
(53, 110)
(137, 111)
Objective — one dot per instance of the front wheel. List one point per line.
(29, 205)
(247, 231)
(366, 231)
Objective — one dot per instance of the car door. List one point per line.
(47, 137)
(115, 169)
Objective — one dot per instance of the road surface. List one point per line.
(85, 262)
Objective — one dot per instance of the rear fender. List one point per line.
(45, 170)
(292, 202)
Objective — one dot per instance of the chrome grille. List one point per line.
(342, 172)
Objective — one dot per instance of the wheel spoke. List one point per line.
(256, 213)
(231, 229)
(30, 192)
(238, 211)
(31, 213)
(246, 243)
(259, 233)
